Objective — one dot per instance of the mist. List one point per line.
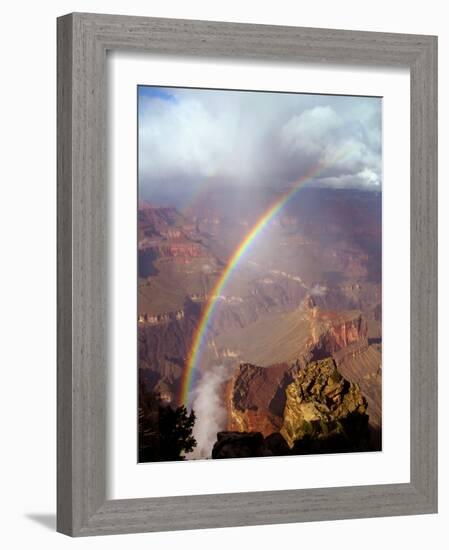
(318, 290)
(209, 410)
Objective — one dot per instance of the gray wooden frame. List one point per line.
(83, 40)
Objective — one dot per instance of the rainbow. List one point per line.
(199, 337)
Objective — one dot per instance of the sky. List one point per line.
(191, 139)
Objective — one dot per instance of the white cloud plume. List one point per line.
(209, 409)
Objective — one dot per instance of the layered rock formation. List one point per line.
(154, 221)
(257, 398)
(162, 346)
(364, 368)
(179, 250)
(322, 412)
(333, 331)
(256, 394)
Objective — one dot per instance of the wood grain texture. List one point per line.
(64, 277)
(83, 40)
(423, 274)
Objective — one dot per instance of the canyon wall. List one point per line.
(322, 413)
(257, 396)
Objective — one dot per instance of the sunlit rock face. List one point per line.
(321, 404)
(256, 396)
(322, 413)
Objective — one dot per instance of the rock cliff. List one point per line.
(333, 331)
(321, 404)
(163, 346)
(256, 395)
(256, 398)
(322, 412)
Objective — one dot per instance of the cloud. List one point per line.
(369, 176)
(318, 290)
(183, 138)
(209, 409)
(196, 137)
(309, 131)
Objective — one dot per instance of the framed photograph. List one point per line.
(247, 249)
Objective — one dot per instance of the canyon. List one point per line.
(256, 396)
(309, 290)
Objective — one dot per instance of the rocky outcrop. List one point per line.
(333, 331)
(256, 394)
(257, 398)
(256, 387)
(321, 405)
(249, 444)
(154, 221)
(262, 420)
(323, 413)
(238, 445)
(165, 233)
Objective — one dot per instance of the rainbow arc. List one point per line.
(200, 335)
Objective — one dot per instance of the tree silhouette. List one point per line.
(164, 433)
